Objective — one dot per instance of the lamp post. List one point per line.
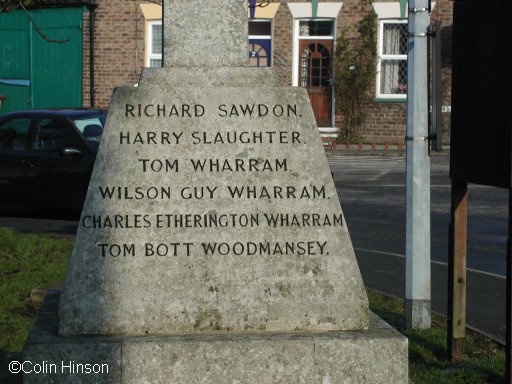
(417, 254)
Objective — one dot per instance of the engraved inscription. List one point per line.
(163, 187)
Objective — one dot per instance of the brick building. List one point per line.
(297, 39)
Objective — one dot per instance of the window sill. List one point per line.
(384, 100)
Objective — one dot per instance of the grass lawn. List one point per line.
(483, 362)
(26, 261)
(31, 260)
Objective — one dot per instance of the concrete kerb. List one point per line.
(376, 150)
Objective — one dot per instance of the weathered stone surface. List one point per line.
(205, 33)
(376, 355)
(212, 247)
(201, 77)
(53, 359)
(218, 215)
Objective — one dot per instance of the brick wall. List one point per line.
(386, 122)
(119, 38)
(283, 43)
(119, 58)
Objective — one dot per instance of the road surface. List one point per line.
(372, 194)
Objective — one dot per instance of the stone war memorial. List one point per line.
(212, 247)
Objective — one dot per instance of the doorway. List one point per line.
(315, 74)
(35, 73)
(313, 65)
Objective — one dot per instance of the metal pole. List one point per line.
(417, 280)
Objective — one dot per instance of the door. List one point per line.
(57, 66)
(14, 61)
(315, 75)
(37, 73)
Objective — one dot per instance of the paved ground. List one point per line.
(372, 193)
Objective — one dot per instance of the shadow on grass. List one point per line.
(483, 360)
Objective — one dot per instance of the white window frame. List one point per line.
(298, 37)
(150, 55)
(382, 56)
(304, 11)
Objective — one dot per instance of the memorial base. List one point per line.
(378, 355)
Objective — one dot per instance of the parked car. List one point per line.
(47, 156)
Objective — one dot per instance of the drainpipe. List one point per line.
(92, 8)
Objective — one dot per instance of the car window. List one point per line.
(53, 134)
(91, 129)
(14, 132)
(82, 123)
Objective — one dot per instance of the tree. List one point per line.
(10, 5)
(355, 65)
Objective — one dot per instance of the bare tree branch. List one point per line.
(11, 5)
(37, 29)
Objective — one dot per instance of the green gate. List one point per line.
(34, 72)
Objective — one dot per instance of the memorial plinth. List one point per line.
(212, 246)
